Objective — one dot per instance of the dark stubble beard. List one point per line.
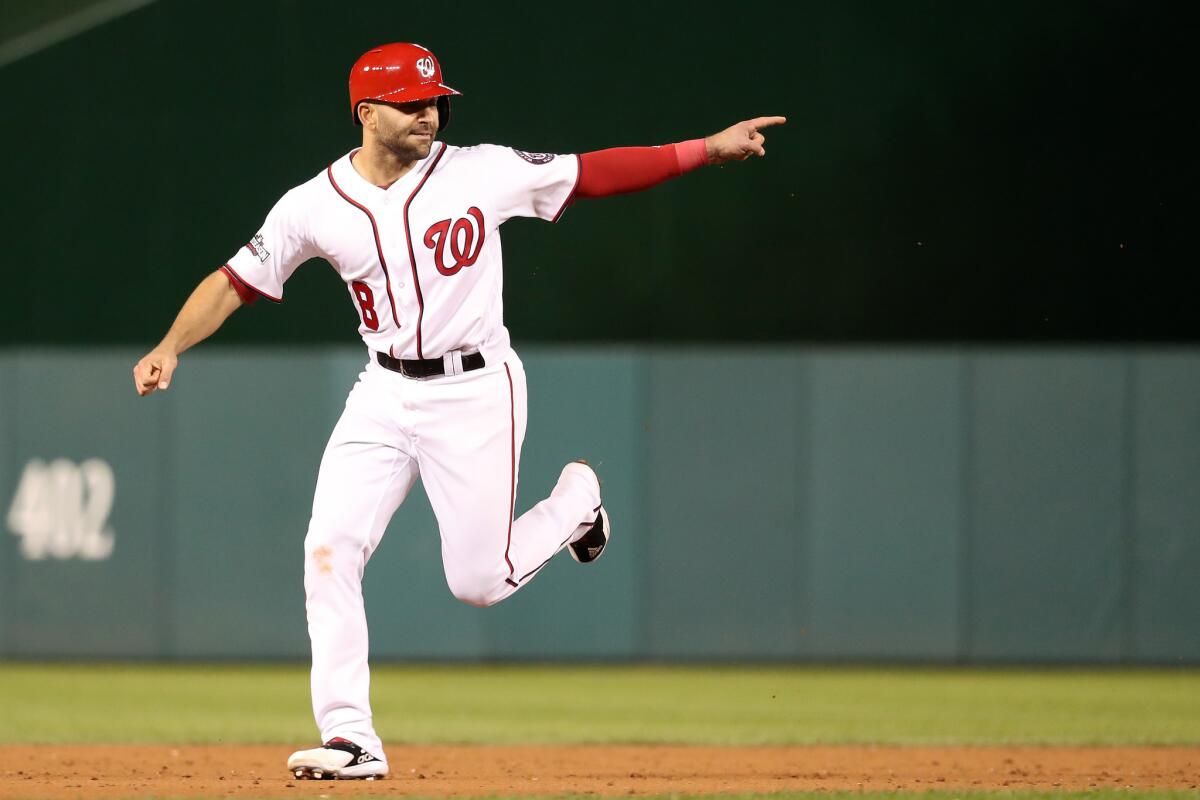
(401, 149)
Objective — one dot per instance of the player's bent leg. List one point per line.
(365, 475)
(569, 514)
(469, 470)
(573, 506)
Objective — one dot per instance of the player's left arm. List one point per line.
(631, 169)
(740, 141)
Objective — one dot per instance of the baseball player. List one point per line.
(412, 225)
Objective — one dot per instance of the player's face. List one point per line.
(406, 129)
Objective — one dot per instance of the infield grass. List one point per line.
(63, 703)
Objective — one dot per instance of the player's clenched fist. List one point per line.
(739, 142)
(207, 307)
(154, 371)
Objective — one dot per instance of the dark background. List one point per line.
(949, 172)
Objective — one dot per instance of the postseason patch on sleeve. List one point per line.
(256, 247)
(535, 158)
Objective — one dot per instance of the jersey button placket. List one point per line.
(396, 256)
(405, 290)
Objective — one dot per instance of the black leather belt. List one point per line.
(426, 367)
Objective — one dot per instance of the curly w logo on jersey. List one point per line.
(465, 241)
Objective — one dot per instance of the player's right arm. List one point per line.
(209, 305)
(258, 269)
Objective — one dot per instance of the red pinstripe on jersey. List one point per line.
(412, 259)
(512, 486)
(378, 247)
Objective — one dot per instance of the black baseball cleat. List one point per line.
(338, 758)
(590, 546)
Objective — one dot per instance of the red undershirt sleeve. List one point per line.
(631, 169)
(248, 295)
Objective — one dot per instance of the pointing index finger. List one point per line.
(766, 122)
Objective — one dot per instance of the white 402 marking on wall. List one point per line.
(61, 510)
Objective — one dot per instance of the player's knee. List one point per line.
(479, 588)
(472, 595)
(328, 543)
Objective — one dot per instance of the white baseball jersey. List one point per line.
(422, 258)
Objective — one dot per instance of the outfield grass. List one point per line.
(518, 704)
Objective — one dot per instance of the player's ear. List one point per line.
(365, 112)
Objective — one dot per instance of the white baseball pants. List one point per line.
(462, 435)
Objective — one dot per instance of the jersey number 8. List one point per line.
(366, 302)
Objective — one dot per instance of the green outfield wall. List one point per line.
(947, 505)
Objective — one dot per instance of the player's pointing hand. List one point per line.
(154, 371)
(739, 142)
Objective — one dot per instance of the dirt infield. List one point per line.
(232, 771)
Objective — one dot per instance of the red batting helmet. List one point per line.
(399, 73)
